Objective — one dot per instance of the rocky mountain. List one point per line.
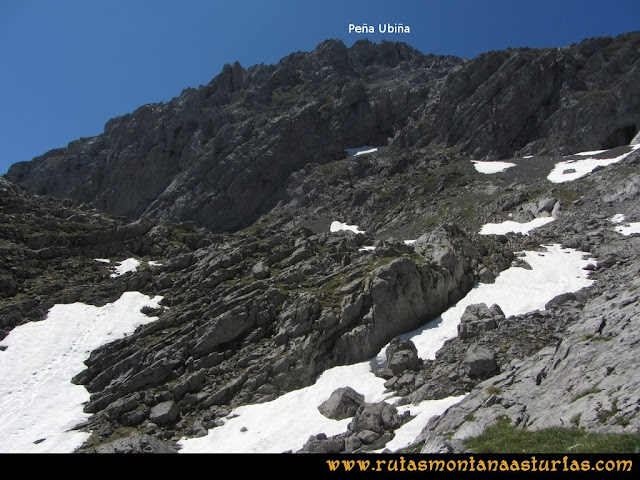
(196, 157)
(239, 201)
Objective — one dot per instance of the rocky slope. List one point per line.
(249, 315)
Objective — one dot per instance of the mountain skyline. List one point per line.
(71, 66)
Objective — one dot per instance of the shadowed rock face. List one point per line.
(219, 155)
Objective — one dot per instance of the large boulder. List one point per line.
(478, 318)
(343, 403)
(375, 417)
(480, 361)
(165, 413)
(402, 355)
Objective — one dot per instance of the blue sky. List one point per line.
(68, 66)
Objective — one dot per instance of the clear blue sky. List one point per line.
(68, 66)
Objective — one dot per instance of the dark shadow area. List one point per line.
(620, 136)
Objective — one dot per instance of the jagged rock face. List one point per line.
(582, 97)
(220, 155)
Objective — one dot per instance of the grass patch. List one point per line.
(503, 437)
(605, 415)
(492, 390)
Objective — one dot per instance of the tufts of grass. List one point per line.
(503, 437)
(492, 390)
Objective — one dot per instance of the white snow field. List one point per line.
(38, 403)
(337, 226)
(574, 169)
(287, 422)
(509, 226)
(491, 167)
(128, 265)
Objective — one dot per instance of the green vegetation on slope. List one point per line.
(503, 437)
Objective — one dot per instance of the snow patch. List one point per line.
(367, 249)
(354, 152)
(128, 265)
(102, 260)
(617, 218)
(38, 402)
(491, 167)
(588, 154)
(574, 169)
(629, 229)
(509, 226)
(337, 226)
(410, 242)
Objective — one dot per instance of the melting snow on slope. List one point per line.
(491, 167)
(38, 402)
(287, 422)
(510, 226)
(628, 229)
(574, 169)
(337, 226)
(618, 218)
(128, 265)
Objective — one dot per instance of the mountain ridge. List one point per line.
(258, 306)
(192, 158)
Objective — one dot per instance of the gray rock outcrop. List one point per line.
(343, 403)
